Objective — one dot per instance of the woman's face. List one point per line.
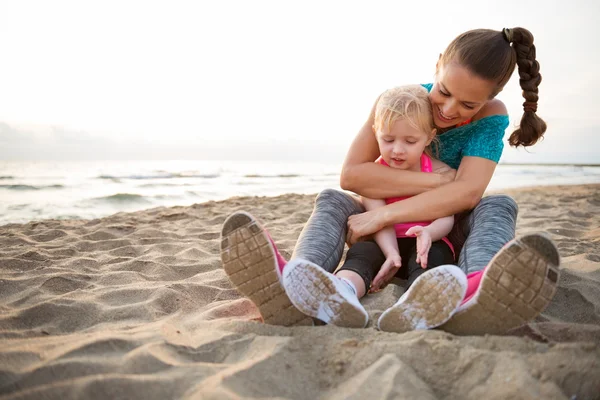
(457, 95)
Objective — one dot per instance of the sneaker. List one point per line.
(430, 301)
(323, 295)
(253, 265)
(516, 287)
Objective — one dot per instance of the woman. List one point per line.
(508, 285)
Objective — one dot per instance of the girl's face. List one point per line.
(402, 145)
(457, 95)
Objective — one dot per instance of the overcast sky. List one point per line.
(263, 79)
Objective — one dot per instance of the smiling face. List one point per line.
(457, 94)
(402, 145)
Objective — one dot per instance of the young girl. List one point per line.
(512, 281)
(404, 129)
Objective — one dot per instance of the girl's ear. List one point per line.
(373, 129)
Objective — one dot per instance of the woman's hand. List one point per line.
(361, 225)
(446, 174)
(387, 272)
(423, 243)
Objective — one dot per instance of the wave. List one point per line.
(121, 198)
(17, 207)
(167, 197)
(159, 176)
(31, 187)
(158, 185)
(6, 177)
(273, 176)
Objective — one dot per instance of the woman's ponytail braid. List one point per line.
(532, 127)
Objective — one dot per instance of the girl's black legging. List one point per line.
(366, 258)
(477, 234)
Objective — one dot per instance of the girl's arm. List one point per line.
(387, 242)
(386, 237)
(426, 235)
(440, 228)
(362, 176)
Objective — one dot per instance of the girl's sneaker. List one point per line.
(428, 303)
(516, 287)
(254, 266)
(323, 295)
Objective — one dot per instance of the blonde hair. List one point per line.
(410, 102)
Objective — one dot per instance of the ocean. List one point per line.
(92, 189)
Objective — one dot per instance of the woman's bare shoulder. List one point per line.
(492, 107)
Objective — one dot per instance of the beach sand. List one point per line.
(136, 305)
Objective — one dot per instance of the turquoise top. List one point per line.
(482, 138)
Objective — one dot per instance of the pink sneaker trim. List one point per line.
(281, 262)
(473, 283)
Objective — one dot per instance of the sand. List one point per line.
(136, 305)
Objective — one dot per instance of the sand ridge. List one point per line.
(136, 305)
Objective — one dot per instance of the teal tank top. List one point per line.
(482, 138)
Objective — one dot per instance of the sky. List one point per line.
(244, 80)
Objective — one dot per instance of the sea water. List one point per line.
(92, 189)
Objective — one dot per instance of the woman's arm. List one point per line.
(362, 176)
(472, 178)
(464, 193)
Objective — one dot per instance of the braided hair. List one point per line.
(493, 55)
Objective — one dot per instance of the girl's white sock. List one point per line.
(350, 285)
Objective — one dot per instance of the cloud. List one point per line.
(59, 143)
(9, 134)
(49, 143)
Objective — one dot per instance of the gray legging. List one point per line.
(477, 234)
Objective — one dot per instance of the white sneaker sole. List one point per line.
(312, 290)
(249, 260)
(518, 284)
(428, 303)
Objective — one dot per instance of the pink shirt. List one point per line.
(426, 166)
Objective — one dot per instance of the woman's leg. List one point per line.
(323, 238)
(484, 231)
(517, 278)
(254, 265)
(480, 233)
(308, 278)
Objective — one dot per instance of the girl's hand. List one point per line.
(361, 225)
(423, 243)
(387, 272)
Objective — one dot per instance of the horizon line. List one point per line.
(555, 164)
